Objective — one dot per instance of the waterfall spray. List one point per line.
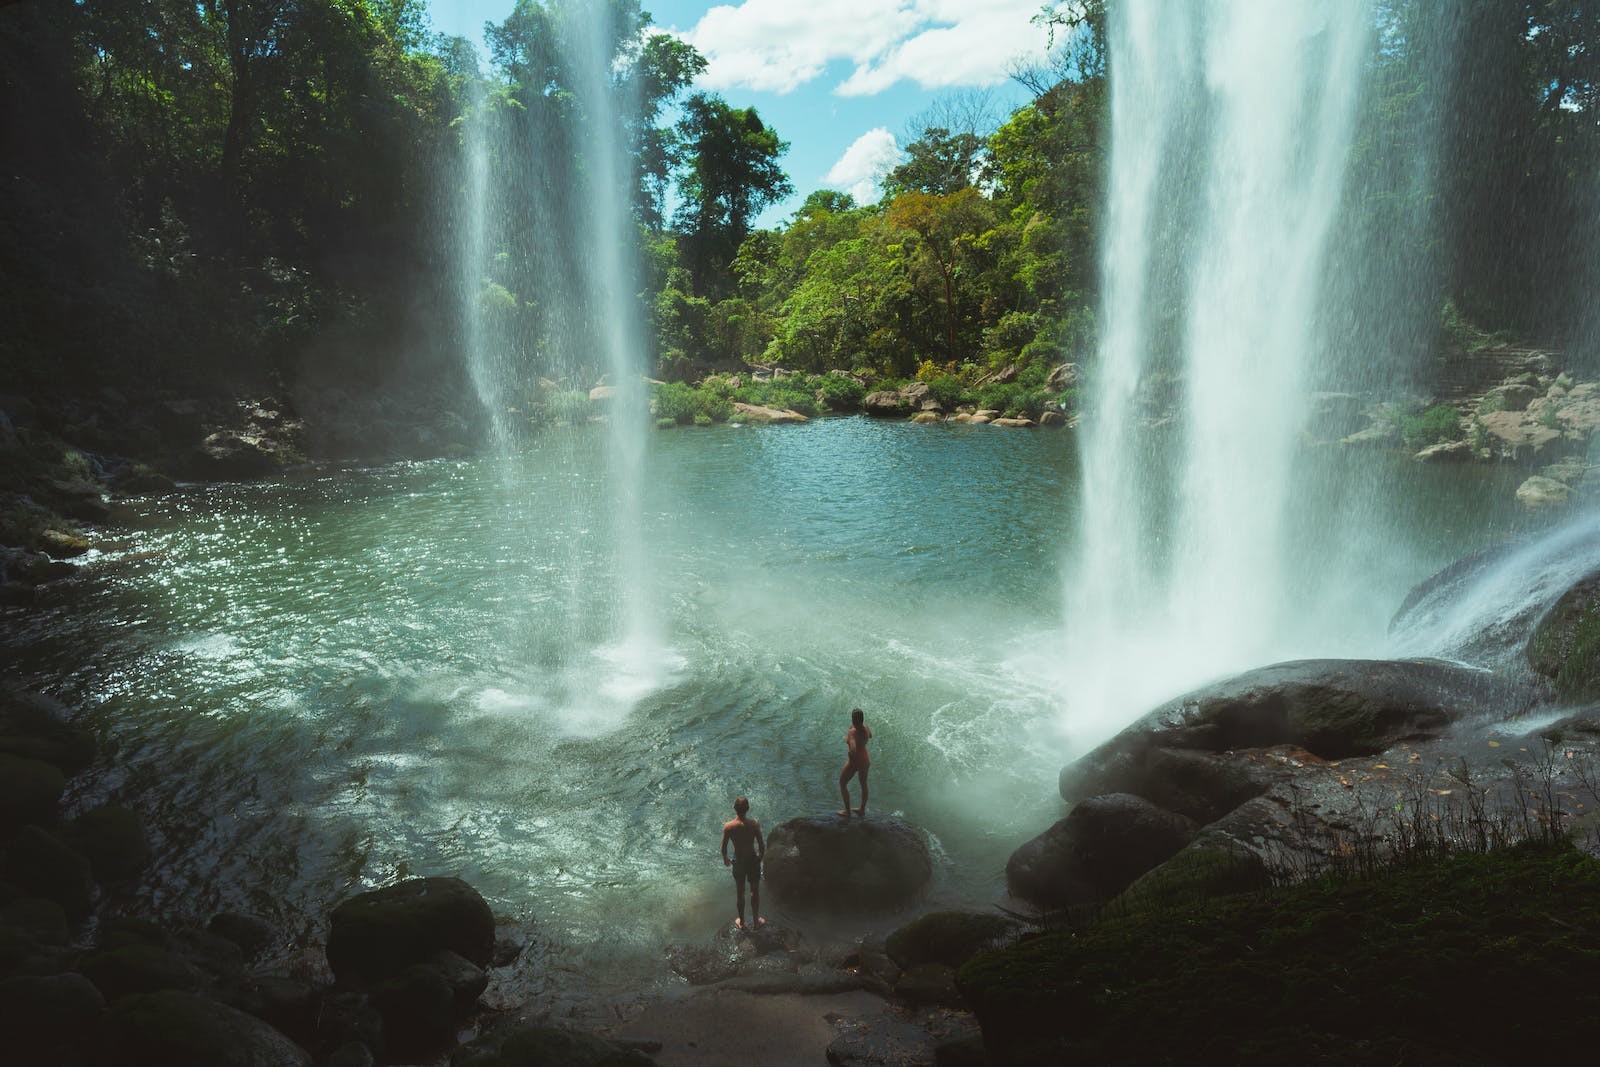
(1231, 130)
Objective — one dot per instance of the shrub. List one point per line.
(1438, 423)
(841, 393)
(948, 390)
(675, 401)
(1001, 398)
(567, 407)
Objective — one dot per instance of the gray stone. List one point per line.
(847, 863)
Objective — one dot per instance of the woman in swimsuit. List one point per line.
(858, 761)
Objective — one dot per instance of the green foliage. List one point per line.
(567, 407)
(1437, 424)
(949, 390)
(684, 405)
(840, 392)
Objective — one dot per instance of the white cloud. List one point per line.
(863, 165)
(779, 45)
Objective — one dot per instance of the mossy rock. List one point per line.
(1565, 646)
(1211, 866)
(133, 969)
(948, 937)
(176, 1029)
(30, 790)
(1389, 968)
(929, 983)
(113, 839)
(547, 1046)
(141, 478)
(45, 866)
(379, 934)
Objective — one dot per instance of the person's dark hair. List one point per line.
(741, 805)
(858, 717)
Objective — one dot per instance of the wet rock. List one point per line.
(1052, 418)
(1515, 437)
(1217, 862)
(285, 1004)
(1332, 416)
(44, 866)
(847, 863)
(466, 980)
(1014, 422)
(1378, 435)
(1103, 844)
(1331, 708)
(345, 1018)
(929, 983)
(419, 1012)
(886, 403)
(927, 417)
(58, 544)
(140, 969)
(378, 934)
(1565, 645)
(545, 1046)
(1447, 452)
(251, 933)
(1543, 494)
(113, 840)
(234, 454)
(881, 1041)
(948, 937)
(80, 500)
(30, 789)
(177, 1029)
(35, 726)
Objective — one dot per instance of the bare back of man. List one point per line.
(744, 834)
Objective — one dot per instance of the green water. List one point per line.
(318, 684)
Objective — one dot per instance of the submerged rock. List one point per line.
(849, 863)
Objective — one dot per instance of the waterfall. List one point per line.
(1231, 130)
(548, 265)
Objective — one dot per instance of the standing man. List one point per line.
(748, 848)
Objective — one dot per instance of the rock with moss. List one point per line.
(1103, 844)
(178, 1029)
(1565, 646)
(871, 863)
(948, 937)
(1539, 493)
(546, 1046)
(379, 934)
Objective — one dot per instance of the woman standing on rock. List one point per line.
(858, 761)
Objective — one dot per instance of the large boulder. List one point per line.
(1103, 844)
(847, 863)
(1539, 493)
(235, 454)
(765, 415)
(377, 935)
(1565, 646)
(1331, 708)
(177, 1029)
(948, 937)
(46, 1017)
(886, 403)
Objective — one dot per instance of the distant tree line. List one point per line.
(223, 193)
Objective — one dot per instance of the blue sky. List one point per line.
(838, 79)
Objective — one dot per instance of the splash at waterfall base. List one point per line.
(1342, 860)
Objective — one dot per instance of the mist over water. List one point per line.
(545, 322)
(1211, 540)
